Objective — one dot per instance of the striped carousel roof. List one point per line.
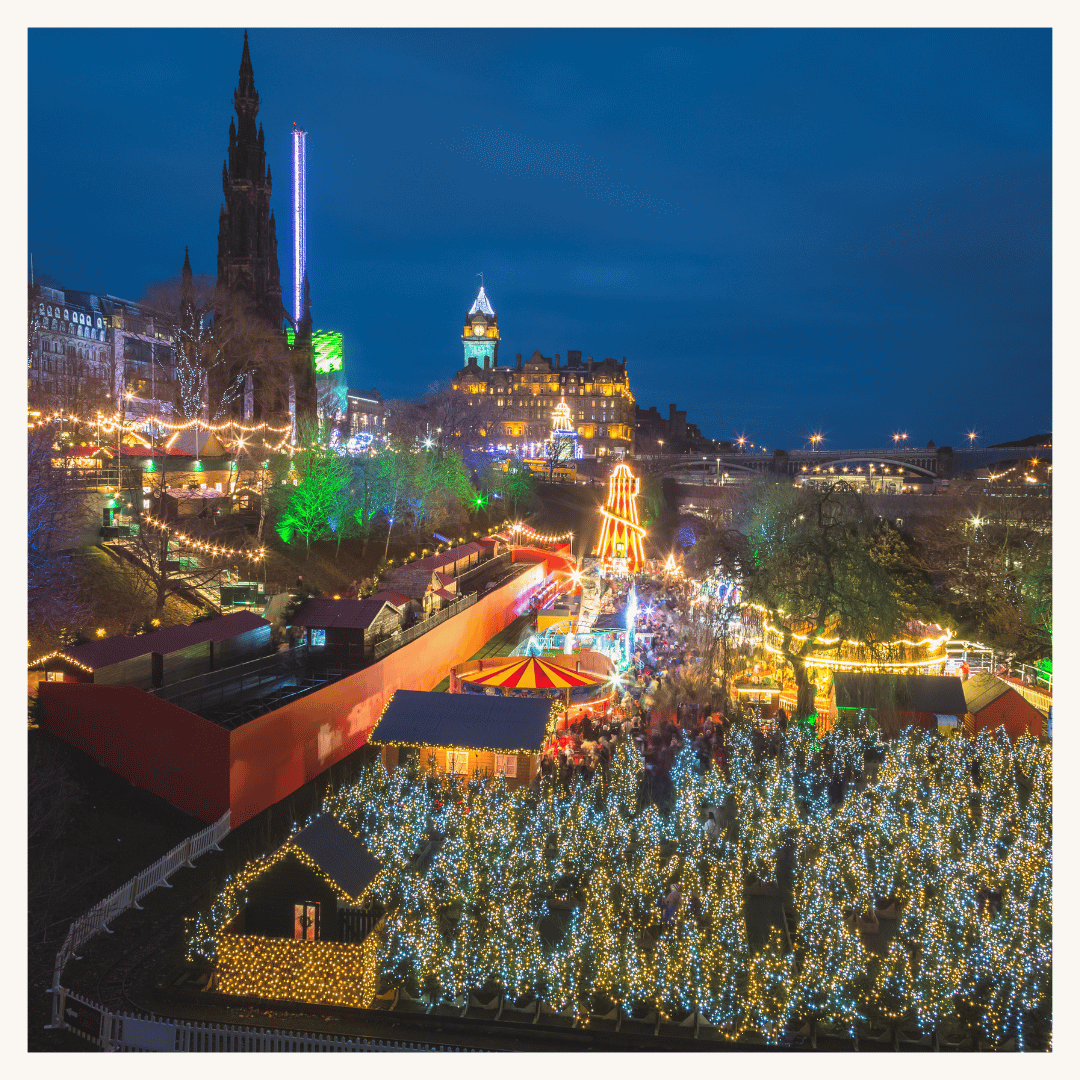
(532, 673)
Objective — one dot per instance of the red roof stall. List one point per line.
(993, 703)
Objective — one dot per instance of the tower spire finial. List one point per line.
(246, 86)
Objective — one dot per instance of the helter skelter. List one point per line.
(621, 548)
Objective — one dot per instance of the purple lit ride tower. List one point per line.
(247, 263)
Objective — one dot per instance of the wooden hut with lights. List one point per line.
(304, 931)
(463, 733)
(161, 657)
(991, 703)
(352, 627)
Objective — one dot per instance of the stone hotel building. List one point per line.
(514, 404)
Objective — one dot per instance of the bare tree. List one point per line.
(56, 516)
(224, 349)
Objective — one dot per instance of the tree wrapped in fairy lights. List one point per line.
(622, 537)
(560, 893)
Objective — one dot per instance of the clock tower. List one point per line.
(481, 334)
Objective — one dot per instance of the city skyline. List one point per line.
(784, 232)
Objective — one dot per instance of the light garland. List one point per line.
(63, 656)
(252, 555)
(922, 836)
(544, 539)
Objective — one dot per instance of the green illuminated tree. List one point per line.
(320, 476)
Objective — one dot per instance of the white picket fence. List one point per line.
(126, 1032)
(127, 897)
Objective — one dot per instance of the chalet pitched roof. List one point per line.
(942, 694)
(339, 854)
(390, 596)
(984, 689)
(113, 650)
(201, 442)
(321, 613)
(473, 721)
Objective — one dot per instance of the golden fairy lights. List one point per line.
(320, 972)
(532, 534)
(63, 656)
(251, 554)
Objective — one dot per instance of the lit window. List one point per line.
(318, 637)
(457, 762)
(306, 922)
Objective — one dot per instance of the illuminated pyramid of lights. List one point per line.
(621, 536)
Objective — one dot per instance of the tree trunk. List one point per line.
(804, 703)
(162, 591)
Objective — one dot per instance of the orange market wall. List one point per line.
(156, 745)
(553, 560)
(269, 758)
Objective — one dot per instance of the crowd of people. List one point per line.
(585, 744)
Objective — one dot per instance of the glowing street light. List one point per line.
(815, 439)
(972, 436)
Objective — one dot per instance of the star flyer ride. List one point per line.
(620, 548)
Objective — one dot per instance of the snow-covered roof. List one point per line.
(481, 303)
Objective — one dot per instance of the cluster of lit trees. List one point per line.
(944, 844)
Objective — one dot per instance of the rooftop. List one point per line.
(943, 694)
(470, 721)
(982, 690)
(340, 855)
(113, 650)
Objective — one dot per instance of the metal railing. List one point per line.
(131, 1032)
(128, 896)
(248, 675)
(403, 637)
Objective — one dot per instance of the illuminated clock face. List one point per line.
(478, 330)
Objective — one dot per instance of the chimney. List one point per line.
(557, 361)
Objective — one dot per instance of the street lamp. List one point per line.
(972, 436)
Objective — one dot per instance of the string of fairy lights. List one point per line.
(217, 550)
(544, 538)
(950, 837)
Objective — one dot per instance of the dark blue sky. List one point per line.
(783, 231)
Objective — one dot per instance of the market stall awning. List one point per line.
(532, 673)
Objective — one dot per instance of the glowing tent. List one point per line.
(528, 676)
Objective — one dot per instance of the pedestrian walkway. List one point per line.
(502, 644)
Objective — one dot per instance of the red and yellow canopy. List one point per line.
(532, 673)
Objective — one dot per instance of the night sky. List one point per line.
(782, 231)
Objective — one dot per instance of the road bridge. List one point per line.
(930, 462)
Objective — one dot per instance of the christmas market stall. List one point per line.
(297, 925)
(460, 734)
(992, 703)
(894, 702)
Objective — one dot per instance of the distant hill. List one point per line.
(1031, 440)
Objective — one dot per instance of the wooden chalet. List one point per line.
(462, 733)
(895, 702)
(991, 703)
(304, 932)
(161, 657)
(353, 626)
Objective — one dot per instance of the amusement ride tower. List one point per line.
(620, 548)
